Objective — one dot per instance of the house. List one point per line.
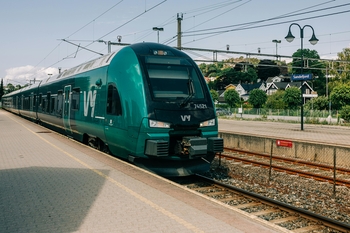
(277, 79)
(243, 90)
(308, 92)
(271, 80)
(222, 92)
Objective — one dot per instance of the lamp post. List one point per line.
(313, 40)
(158, 29)
(276, 41)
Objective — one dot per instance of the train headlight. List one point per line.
(210, 122)
(158, 124)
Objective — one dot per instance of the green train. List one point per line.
(147, 103)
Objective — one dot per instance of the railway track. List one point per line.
(274, 212)
(316, 171)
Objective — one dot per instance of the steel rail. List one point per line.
(291, 171)
(296, 161)
(328, 222)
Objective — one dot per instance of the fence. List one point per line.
(335, 160)
(310, 116)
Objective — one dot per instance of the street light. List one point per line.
(276, 41)
(158, 29)
(313, 40)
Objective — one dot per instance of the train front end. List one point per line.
(180, 134)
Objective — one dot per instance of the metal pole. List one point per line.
(301, 71)
(270, 160)
(179, 18)
(313, 41)
(334, 170)
(276, 41)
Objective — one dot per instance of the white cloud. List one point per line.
(26, 74)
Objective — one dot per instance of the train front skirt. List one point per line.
(173, 168)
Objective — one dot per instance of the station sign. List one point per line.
(284, 143)
(301, 77)
(310, 95)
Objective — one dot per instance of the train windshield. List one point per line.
(173, 79)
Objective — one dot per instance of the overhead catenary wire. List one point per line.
(206, 9)
(57, 46)
(245, 26)
(147, 10)
(188, 33)
(92, 21)
(265, 25)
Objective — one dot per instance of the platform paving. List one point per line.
(50, 183)
(322, 134)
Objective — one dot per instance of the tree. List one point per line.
(10, 88)
(1, 88)
(340, 96)
(341, 70)
(266, 69)
(319, 85)
(227, 76)
(251, 75)
(319, 81)
(211, 70)
(292, 97)
(232, 97)
(345, 113)
(307, 63)
(257, 98)
(211, 85)
(230, 76)
(319, 103)
(214, 95)
(275, 101)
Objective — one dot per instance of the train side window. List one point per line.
(75, 99)
(43, 103)
(113, 101)
(34, 101)
(52, 104)
(26, 103)
(48, 107)
(59, 102)
(40, 101)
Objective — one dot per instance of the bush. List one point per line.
(345, 113)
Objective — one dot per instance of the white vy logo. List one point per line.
(185, 117)
(89, 99)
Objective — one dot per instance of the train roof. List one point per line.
(139, 48)
(30, 86)
(90, 65)
(147, 48)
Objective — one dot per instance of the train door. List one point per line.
(22, 102)
(31, 102)
(66, 108)
(17, 104)
(115, 130)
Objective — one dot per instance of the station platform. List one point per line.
(321, 134)
(50, 183)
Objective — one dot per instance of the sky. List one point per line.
(39, 37)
